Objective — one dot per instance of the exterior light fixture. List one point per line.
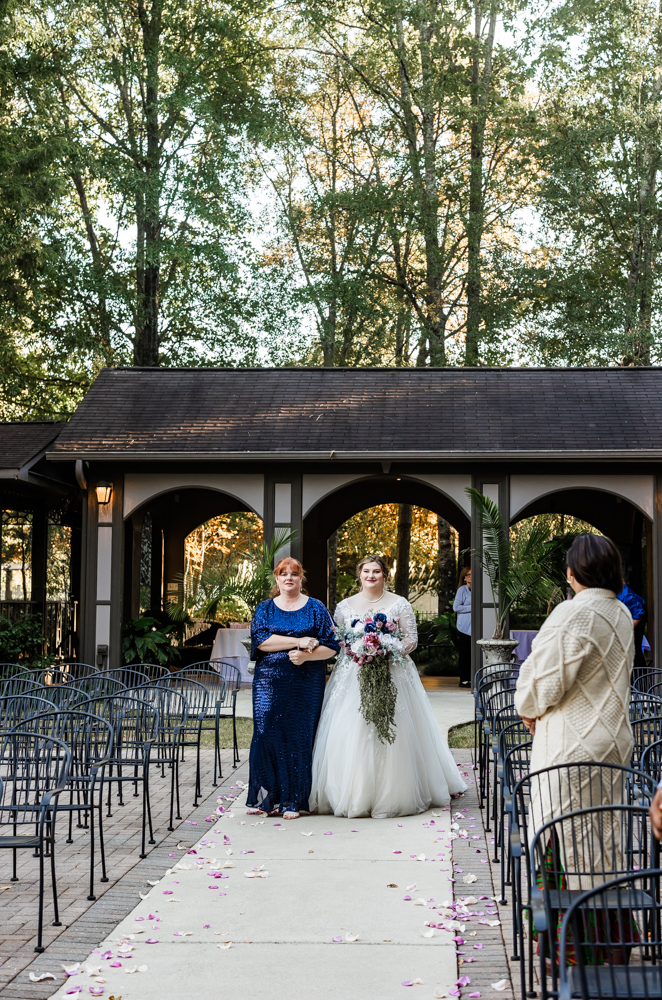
(104, 492)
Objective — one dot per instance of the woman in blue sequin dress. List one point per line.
(292, 635)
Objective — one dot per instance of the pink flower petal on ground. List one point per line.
(407, 982)
(474, 996)
(407, 899)
(116, 965)
(454, 993)
(463, 981)
(167, 892)
(151, 941)
(478, 946)
(397, 852)
(337, 940)
(328, 833)
(73, 989)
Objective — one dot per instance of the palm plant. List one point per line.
(528, 567)
(245, 581)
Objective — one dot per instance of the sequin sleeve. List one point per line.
(260, 627)
(326, 633)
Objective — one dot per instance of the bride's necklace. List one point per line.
(372, 602)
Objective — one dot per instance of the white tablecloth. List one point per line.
(525, 637)
(228, 648)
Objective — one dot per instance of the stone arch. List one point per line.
(338, 505)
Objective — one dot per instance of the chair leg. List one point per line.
(40, 923)
(172, 798)
(149, 804)
(143, 851)
(57, 922)
(102, 847)
(91, 896)
(14, 876)
(234, 734)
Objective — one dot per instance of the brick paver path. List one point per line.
(86, 923)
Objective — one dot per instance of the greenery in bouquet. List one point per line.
(371, 642)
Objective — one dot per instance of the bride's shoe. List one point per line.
(291, 815)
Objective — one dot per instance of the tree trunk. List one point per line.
(404, 545)
(146, 348)
(332, 555)
(446, 568)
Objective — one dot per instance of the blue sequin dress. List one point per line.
(287, 701)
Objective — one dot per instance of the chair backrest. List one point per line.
(566, 788)
(655, 688)
(127, 676)
(19, 684)
(651, 761)
(511, 735)
(98, 685)
(62, 695)
(15, 708)
(195, 694)
(214, 682)
(170, 704)
(135, 723)
(611, 941)
(89, 737)
(9, 670)
(644, 705)
(490, 668)
(644, 732)
(581, 849)
(517, 763)
(644, 679)
(153, 671)
(230, 674)
(495, 702)
(30, 766)
(75, 669)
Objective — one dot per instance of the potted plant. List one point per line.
(527, 568)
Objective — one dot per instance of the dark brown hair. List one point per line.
(596, 562)
(287, 563)
(368, 559)
(463, 575)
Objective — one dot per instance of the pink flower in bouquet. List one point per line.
(372, 641)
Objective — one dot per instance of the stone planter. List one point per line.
(497, 650)
(246, 643)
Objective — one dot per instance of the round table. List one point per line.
(228, 648)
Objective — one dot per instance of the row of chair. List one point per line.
(71, 732)
(599, 834)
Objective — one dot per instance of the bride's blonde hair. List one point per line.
(368, 559)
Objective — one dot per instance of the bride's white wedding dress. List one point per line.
(356, 775)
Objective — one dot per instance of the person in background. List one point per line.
(636, 605)
(462, 605)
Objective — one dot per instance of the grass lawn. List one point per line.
(461, 737)
(244, 734)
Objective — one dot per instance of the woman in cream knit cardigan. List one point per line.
(573, 691)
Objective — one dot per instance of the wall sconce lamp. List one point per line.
(104, 492)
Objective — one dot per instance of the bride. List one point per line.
(354, 774)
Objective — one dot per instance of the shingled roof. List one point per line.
(139, 413)
(19, 443)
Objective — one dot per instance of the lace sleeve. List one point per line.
(408, 626)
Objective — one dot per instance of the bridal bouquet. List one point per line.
(370, 642)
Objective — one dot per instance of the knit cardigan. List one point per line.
(576, 684)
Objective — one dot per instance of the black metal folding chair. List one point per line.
(8, 670)
(217, 687)
(569, 787)
(15, 708)
(90, 740)
(74, 669)
(644, 732)
(33, 773)
(643, 681)
(135, 725)
(172, 710)
(643, 706)
(127, 676)
(497, 698)
(196, 699)
(651, 761)
(227, 707)
(153, 671)
(611, 940)
(18, 684)
(576, 852)
(98, 686)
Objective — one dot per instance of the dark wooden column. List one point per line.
(39, 563)
(655, 605)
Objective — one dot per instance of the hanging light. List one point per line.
(104, 492)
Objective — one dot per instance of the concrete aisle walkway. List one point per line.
(340, 915)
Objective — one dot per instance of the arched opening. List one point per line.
(612, 515)
(337, 507)
(156, 543)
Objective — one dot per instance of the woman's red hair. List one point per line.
(294, 566)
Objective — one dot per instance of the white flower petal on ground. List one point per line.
(143, 895)
(500, 986)
(420, 902)
(410, 888)
(306, 834)
(351, 937)
(470, 878)
(224, 945)
(493, 923)
(429, 933)
(149, 881)
(439, 993)
(40, 978)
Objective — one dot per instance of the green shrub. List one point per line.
(146, 641)
(21, 641)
